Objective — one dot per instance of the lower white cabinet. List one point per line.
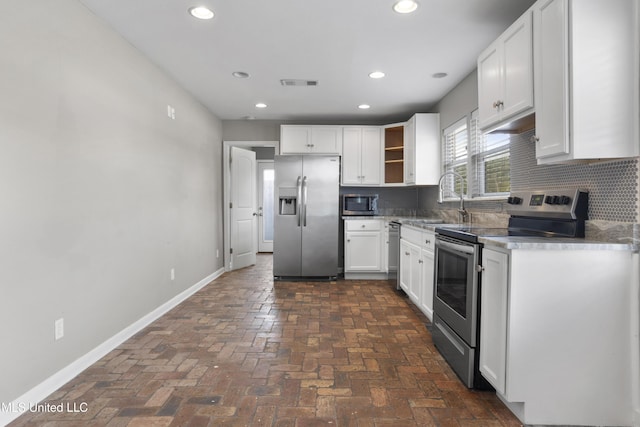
(493, 318)
(410, 270)
(363, 246)
(556, 332)
(417, 267)
(427, 270)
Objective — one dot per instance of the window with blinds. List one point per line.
(481, 159)
(489, 161)
(456, 158)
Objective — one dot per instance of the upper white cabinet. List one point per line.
(505, 76)
(422, 149)
(586, 79)
(361, 155)
(307, 139)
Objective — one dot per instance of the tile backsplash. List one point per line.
(612, 185)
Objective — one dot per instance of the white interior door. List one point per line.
(265, 205)
(243, 208)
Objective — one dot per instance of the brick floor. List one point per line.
(244, 351)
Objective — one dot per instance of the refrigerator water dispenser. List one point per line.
(287, 201)
(287, 205)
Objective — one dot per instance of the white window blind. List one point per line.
(481, 159)
(489, 161)
(455, 158)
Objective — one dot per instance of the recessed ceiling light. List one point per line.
(405, 6)
(240, 74)
(261, 105)
(376, 74)
(439, 75)
(364, 106)
(201, 12)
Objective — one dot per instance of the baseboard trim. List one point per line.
(66, 374)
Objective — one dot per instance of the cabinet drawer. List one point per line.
(363, 225)
(413, 235)
(428, 242)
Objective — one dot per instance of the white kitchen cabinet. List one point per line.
(361, 155)
(310, 139)
(410, 270)
(505, 76)
(427, 273)
(493, 318)
(363, 246)
(422, 149)
(586, 79)
(556, 333)
(410, 151)
(417, 267)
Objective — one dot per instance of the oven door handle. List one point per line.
(460, 248)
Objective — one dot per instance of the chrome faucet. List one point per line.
(461, 210)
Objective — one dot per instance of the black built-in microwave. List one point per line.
(359, 204)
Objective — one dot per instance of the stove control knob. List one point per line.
(564, 200)
(514, 200)
(549, 200)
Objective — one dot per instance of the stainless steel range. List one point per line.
(456, 300)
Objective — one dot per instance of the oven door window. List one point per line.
(452, 280)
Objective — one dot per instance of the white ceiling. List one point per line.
(337, 42)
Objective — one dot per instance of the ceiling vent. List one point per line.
(298, 82)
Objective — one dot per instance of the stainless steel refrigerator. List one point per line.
(305, 244)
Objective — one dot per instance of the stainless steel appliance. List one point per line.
(305, 243)
(394, 253)
(456, 300)
(359, 204)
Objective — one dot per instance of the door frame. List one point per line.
(226, 180)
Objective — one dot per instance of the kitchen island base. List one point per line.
(557, 334)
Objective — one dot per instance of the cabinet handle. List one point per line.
(363, 226)
(428, 242)
(348, 240)
(407, 253)
(535, 138)
(479, 268)
(498, 104)
(420, 261)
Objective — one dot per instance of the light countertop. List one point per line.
(556, 243)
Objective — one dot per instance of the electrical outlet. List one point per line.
(58, 327)
(171, 112)
(217, 253)
(173, 274)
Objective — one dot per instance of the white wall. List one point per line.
(101, 194)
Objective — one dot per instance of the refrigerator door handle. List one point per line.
(299, 199)
(304, 201)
